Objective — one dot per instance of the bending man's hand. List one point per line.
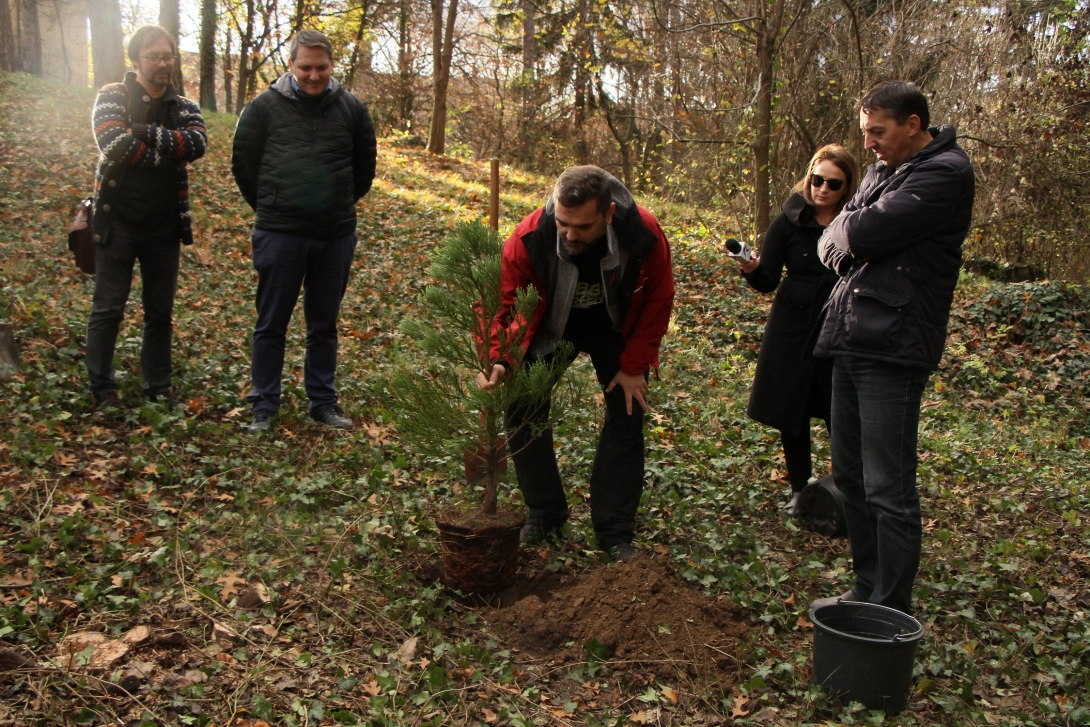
(498, 372)
(635, 387)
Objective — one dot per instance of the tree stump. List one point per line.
(9, 352)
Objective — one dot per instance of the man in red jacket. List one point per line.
(601, 266)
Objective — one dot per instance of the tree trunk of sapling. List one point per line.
(491, 485)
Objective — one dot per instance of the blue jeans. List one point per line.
(876, 416)
(114, 263)
(285, 264)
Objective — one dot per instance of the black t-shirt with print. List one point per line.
(589, 317)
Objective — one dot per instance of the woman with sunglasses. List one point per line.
(791, 387)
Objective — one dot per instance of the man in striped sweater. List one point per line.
(146, 135)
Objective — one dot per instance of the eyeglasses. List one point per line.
(155, 60)
(816, 180)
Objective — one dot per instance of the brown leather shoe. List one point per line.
(106, 400)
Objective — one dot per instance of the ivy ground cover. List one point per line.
(290, 579)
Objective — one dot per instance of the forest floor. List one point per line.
(160, 567)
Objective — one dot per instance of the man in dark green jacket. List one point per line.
(304, 154)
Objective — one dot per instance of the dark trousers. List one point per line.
(285, 264)
(114, 262)
(616, 481)
(797, 457)
(876, 416)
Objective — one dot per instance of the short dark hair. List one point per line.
(899, 99)
(578, 185)
(145, 36)
(310, 39)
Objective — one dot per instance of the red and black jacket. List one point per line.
(639, 291)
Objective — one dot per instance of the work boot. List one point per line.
(262, 422)
(106, 400)
(165, 396)
(535, 532)
(333, 417)
(621, 552)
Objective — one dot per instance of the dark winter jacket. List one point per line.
(302, 164)
(897, 246)
(788, 388)
(181, 141)
(637, 278)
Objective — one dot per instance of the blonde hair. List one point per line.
(844, 160)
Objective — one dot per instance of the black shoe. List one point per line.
(332, 416)
(106, 400)
(850, 595)
(262, 422)
(621, 552)
(535, 532)
(165, 396)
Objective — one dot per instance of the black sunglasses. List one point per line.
(816, 180)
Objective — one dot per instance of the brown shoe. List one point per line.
(165, 396)
(106, 400)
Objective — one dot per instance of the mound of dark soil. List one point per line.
(638, 612)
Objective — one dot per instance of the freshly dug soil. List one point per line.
(639, 611)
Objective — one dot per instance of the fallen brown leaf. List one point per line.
(407, 650)
(229, 581)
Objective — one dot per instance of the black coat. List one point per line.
(791, 386)
(897, 244)
(302, 164)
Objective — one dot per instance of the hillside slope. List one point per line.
(170, 521)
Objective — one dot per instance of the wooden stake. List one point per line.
(494, 202)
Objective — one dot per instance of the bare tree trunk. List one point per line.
(359, 51)
(9, 56)
(582, 82)
(228, 74)
(168, 18)
(622, 136)
(405, 100)
(31, 38)
(107, 41)
(762, 140)
(529, 85)
(208, 55)
(245, 41)
(768, 30)
(444, 54)
(299, 16)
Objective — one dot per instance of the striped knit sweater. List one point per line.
(149, 145)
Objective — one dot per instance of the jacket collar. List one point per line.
(284, 87)
(943, 138)
(798, 210)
